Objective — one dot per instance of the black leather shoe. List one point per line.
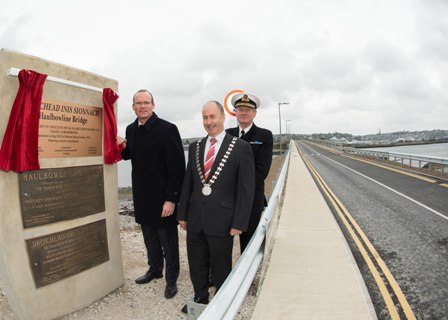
(147, 277)
(170, 291)
(201, 300)
(197, 300)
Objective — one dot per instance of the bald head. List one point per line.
(213, 118)
(216, 104)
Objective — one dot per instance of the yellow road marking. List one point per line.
(343, 213)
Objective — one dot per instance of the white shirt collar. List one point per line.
(219, 138)
(245, 130)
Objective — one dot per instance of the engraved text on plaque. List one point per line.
(59, 255)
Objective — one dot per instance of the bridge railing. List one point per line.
(432, 166)
(226, 303)
(415, 161)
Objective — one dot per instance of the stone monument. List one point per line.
(60, 244)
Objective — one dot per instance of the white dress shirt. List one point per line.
(219, 138)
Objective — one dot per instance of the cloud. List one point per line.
(383, 57)
(334, 71)
(353, 66)
(432, 30)
(10, 36)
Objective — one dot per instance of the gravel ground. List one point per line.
(127, 302)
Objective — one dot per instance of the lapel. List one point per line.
(248, 135)
(151, 123)
(234, 131)
(201, 152)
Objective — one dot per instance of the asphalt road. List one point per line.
(406, 220)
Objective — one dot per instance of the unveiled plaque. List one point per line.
(59, 232)
(59, 255)
(51, 195)
(69, 129)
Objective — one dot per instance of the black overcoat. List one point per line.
(261, 141)
(158, 168)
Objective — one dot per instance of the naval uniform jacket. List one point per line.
(158, 168)
(229, 204)
(261, 141)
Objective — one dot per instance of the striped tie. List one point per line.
(209, 158)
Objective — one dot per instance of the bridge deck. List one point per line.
(312, 273)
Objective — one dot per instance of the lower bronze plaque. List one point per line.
(59, 255)
(51, 195)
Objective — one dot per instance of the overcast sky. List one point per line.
(355, 66)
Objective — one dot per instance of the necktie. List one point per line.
(209, 158)
(242, 133)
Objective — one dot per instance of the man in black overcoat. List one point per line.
(215, 204)
(261, 141)
(158, 167)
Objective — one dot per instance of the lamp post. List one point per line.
(280, 123)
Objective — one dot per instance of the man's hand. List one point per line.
(234, 232)
(168, 209)
(183, 224)
(121, 141)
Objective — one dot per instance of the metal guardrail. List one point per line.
(415, 161)
(226, 303)
(435, 166)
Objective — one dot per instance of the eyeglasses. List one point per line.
(141, 103)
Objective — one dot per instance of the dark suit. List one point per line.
(158, 167)
(261, 141)
(210, 218)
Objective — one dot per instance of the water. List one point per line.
(430, 150)
(124, 172)
(434, 150)
(439, 150)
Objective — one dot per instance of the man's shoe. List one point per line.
(170, 291)
(148, 277)
(197, 300)
(201, 300)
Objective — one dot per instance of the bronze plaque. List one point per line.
(59, 255)
(68, 129)
(51, 195)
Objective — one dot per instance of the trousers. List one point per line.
(208, 256)
(253, 224)
(162, 244)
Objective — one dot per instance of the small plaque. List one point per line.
(51, 195)
(68, 129)
(59, 255)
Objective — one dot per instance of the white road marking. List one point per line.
(389, 188)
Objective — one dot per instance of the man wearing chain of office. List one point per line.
(216, 200)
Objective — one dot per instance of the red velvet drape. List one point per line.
(112, 152)
(19, 151)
